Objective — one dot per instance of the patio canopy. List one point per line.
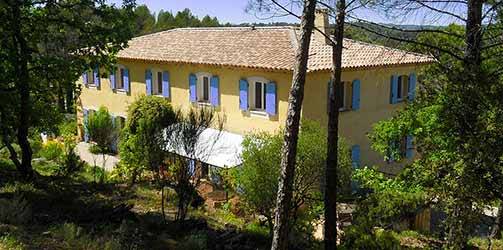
(214, 147)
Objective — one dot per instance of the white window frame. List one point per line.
(252, 91)
(200, 87)
(155, 78)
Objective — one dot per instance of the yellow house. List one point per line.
(246, 73)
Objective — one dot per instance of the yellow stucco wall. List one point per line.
(354, 125)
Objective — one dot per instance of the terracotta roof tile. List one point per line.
(262, 47)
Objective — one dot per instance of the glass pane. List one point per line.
(206, 89)
(121, 80)
(258, 95)
(340, 95)
(159, 82)
(264, 88)
(399, 91)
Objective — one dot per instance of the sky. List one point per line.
(233, 11)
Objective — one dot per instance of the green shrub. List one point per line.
(15, 211)
(10, 242)
(52, 151)
(75, 237)
(256, 228)
(196, 241)
(356, 237)
(101, 129)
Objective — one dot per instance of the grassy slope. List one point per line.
(76, 213)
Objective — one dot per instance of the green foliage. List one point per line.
(195, 241)
(15, 211)
(73, 236)
(52, 151)
(390, 200)
(45, 54)
(457, 124)
(356, 238)
(10, 242)
(143, 139)
(146, 22)
(101, 130)
(257, 179)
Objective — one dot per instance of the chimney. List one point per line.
(321, 22)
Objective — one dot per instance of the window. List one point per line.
(402, 148)
(120, 80)
(89, 77)
(257, 94)
(402, 87)
(157, 83)
(203, 87)
(344, 97)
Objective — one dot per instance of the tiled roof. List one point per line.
(262, 47)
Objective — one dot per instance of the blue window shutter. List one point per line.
(84, 78)
(96, 74)
(243, 94)
(355, 105)
(85, 113)
(192, 88)
(214, 82)
(148, 81)
(394, 89)
(112, 79)
(355, 156)
(165, 84)
(126, 80)
(412, 86)
(270, 98)
(409, 153)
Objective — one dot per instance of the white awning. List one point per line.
(214, 147)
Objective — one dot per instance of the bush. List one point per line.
(356, 237)
(15, 211)
(52, 151)
(257, 179)
(196, 241)
(10, 242)
(75, 237)
(101, 130)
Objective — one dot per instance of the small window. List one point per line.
(402, 88)
(258, 95)
(344, 97)
(158, 84)
(120, 81)
(203, 87)
(90, 77)
(206, 89)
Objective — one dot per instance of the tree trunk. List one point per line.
(330, 232)
(498, 225)
(23, 88)
(61, 98)
(460, 226)
(289, 150)
(69, 88)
